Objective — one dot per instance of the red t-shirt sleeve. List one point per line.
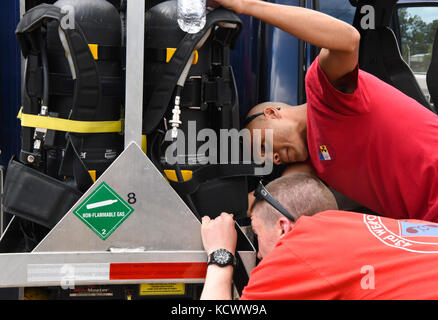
(282, 275)
(323, 96)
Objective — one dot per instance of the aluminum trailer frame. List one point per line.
(159, 242)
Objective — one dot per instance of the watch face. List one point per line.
(222, 257)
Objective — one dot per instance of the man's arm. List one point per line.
(218, 283)
(219, 233)
(339, 40)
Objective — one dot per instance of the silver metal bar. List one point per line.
(135, 32)
(85, 268)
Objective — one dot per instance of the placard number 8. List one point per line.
(131, 198)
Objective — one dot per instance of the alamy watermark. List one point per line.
(368, 21)
(368, 281)
(228, 147)
(68, 20)
(67, 277)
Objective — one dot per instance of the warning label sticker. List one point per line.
(103, 211)
(161, 289)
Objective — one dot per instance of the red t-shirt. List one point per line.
(377, 146)
(347, 255)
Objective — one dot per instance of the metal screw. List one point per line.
(30, 159)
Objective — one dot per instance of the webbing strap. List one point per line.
(101, 52)
(63, 85)
(165, 55)
(212, 172)
(75, 126)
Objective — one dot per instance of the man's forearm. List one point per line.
(311, 26)
(218, 283)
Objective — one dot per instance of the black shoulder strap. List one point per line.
(32, 20)
(212, 172)
(163, 92)
(87, 92)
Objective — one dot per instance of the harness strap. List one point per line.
(74, 126)
(165, 55)
(64, 85)
(212, 172)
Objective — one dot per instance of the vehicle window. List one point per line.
(340, 9)
(417, 26)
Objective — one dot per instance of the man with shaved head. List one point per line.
(289, 137)
(361, 136)
(309, 250)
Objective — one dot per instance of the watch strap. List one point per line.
(232, 261)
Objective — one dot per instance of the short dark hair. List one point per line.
(301, 194)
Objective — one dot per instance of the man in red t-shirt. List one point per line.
(364, 138)
(327, 255)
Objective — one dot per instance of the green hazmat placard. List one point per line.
(103, 211)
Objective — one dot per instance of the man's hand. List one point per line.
(219, 233)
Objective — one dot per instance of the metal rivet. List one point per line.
(30, 159)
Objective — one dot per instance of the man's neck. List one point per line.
(298, 114)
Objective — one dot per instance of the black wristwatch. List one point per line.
(222, 258)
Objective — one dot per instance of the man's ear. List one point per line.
(272, 113)
(285, 226)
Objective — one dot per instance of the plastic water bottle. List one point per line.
(191, 15)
